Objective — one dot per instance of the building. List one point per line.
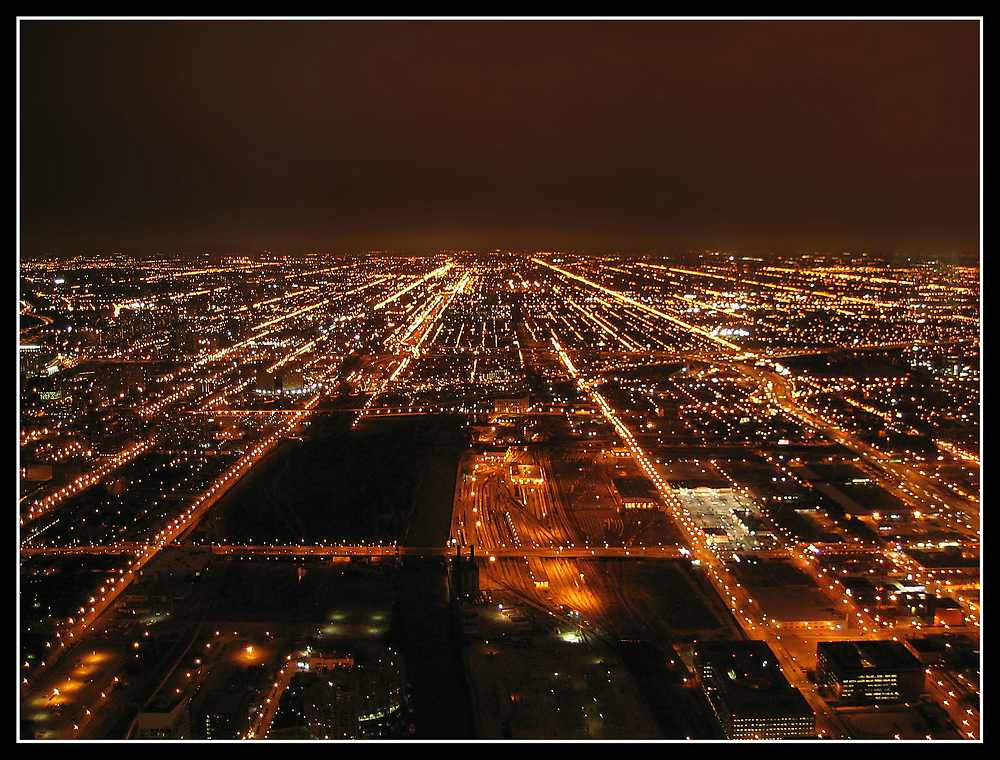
(357, 696)
(220, 725)
(948, 612)
(619, 452)
(514, 405)
(748, 692)
(928, 609)
(715, 535)
(292, 381)
(869, 671)
(464, 575)
(172, 723)
(36, 471)
(635, 492)
(265, 382)
(36, 361)
(526, 474)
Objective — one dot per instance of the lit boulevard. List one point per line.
(791, 447)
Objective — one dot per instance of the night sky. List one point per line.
(337, 136)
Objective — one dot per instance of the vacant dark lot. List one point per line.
(387, 480)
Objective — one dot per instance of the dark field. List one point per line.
(657, 600)
(388, 481)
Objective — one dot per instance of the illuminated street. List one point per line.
(457, 380)
(566, 420)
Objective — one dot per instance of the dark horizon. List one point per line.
(754, 137)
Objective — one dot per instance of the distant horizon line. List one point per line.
(949, 256)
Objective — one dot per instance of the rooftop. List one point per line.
(748, 679)
(865, 655)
